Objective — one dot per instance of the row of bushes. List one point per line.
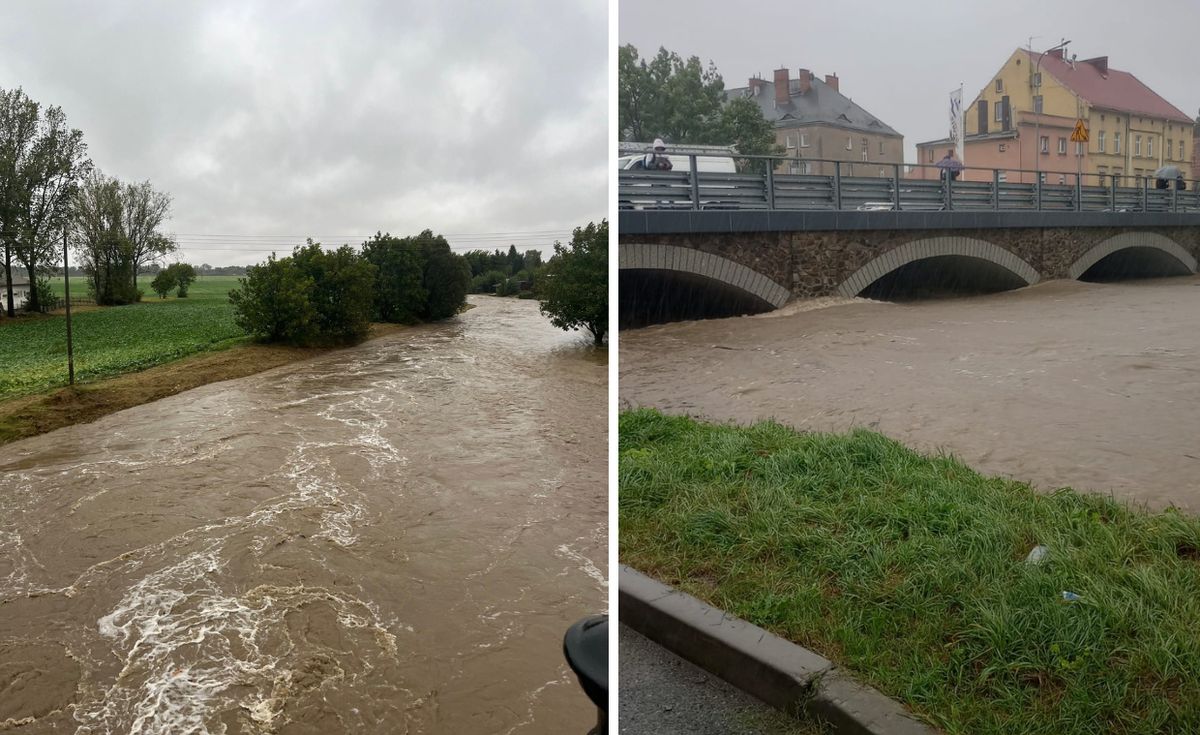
(328, 297)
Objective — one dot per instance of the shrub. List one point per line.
(399, 295)
(273, 303)
(163, 283)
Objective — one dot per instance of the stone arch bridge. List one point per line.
(772, 258)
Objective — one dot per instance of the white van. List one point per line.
(681, 162)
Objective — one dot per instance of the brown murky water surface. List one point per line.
(1094, 386)
(392, 538)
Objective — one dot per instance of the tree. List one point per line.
(399, 295)
(18, 125)
(183, 274)
(273, 302)
(343, 292)
(41, 160)
(742, 124)
(143, 211)
(50, 174)
(669, 97)
(446, 277)
(684, 102)
(574, 288)
(163, 283)
(116, 233)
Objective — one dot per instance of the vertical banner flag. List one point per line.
(956, 122)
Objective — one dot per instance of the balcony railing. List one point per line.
(756, 183)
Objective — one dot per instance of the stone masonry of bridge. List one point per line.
(781, 265)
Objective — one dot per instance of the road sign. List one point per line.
(1080, 133)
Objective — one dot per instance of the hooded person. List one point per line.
(657, 160)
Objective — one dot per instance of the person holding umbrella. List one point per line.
(1163, 176)
(950, 166)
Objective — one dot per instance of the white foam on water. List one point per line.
(585, 564)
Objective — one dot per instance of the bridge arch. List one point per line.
(655, 256)
(1166, 255)
(1010, 269)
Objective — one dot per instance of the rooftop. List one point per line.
(822, 104)
(1102, 86)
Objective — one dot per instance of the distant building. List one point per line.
(1024, 117)
(813, 119)
(20, 291)
(1196, 150)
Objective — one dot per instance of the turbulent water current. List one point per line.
(1094, 386)
(392, 538)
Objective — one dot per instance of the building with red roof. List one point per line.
(1023, 119)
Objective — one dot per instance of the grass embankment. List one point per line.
(911, 572)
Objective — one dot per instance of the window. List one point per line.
(1170, 149)
(1182, 157)
(1062, 179)
(1003, 147)
(849, 143)
(1137, 145)
(1102, 170)
(1002, 176)
(803, 140)
(864, 154)
(1100, 141)
(864, 145)
(1044, 145)
(1062, 146)
(999, 110)
(931, 155)
(1150, 147)
(1042, 176)
(1116, 142)
(881, 147)
(1037, 104)
(999, 85)
(801, 167)
(791, 141)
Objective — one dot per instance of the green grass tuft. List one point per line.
(910, 571)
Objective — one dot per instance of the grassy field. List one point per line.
(912, 572)
(115, 340)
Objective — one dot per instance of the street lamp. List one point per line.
(1035, 84)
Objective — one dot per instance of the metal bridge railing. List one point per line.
(730, 182)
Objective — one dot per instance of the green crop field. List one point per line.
(114, 340)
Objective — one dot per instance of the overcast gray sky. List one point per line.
(269, 122)
(900, 59)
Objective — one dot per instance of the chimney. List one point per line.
(831, 80)
(782, 96)
(1056, 53)
(805, 78)
(756, 86)
(1101, 64)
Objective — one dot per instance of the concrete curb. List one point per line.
(780, 673)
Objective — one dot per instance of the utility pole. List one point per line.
(67, 293)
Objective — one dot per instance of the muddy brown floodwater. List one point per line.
(392, 538)
(1093, 386)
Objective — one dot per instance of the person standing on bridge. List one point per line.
(950, 166)
(657, 159)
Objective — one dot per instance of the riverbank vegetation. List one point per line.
(329, 297)
(915, 573)
(573, 289)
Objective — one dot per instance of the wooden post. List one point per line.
(67, 294)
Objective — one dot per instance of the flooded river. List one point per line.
(392, 538)
(1094, 386)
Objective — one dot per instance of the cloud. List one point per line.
(332, 119)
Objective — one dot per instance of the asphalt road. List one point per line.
(661, 694)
